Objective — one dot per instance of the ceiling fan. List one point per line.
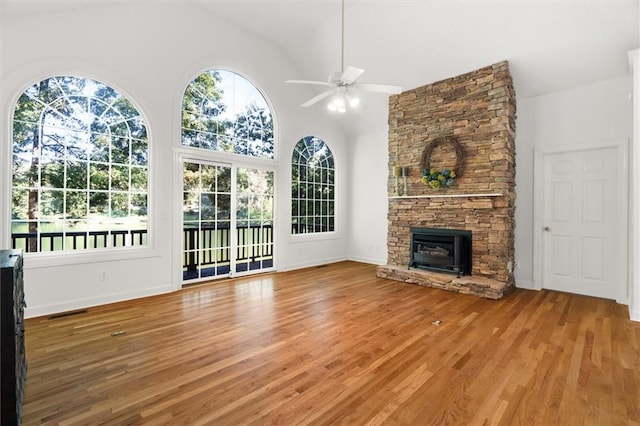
(342, 84)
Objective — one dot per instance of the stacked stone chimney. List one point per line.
(476, 113)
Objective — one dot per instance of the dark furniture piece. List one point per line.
(13, 363)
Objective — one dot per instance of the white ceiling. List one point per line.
(551, 45)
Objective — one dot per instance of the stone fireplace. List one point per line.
(464, 124)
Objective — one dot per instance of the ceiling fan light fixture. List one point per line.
(342, 99)
(353, 100)
(338, 103)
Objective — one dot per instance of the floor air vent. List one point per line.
(67, 314)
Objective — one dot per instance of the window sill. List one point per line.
(52, 259)
(314, 236)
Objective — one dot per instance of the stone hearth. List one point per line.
(477, 111)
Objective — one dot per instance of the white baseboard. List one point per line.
(528, 285)
(634, 314)
(370, 260)
(311, 263)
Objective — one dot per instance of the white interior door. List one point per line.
(584, 249)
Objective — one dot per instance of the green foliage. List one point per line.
(207, 122)
(312, 186)
(253, 132)
(201, 109)
(72, 139)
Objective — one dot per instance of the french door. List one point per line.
(227, 220)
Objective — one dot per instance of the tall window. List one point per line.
(223, 111)
(312, 187)
(79, 168)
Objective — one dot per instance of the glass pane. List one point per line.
(99, 203)
(77, 175)
(223, 207)
(224, 179)
(52, 174)
(76, 204)
(207, 206)
(191, 176)
(99, 176)
(20, 204)
(139, 152)
(242, 207)
(51, 203)
(119, 178)
(208, 177)
(223, 111)
(139, 205)
(119, 205)
(120, 150)
(139, 179)
(190, 206)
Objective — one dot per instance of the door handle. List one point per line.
(546, 228)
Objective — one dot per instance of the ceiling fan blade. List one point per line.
(317, 98)
(381, 88)
(319, 83)
(350, 74)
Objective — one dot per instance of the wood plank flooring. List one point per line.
(336, 345)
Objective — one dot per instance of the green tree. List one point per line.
(71, 138)
(202, 107)
(253, 132)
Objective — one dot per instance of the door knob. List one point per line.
(546, 228)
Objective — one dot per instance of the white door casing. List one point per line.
(580, 223)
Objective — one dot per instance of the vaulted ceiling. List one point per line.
(551, 45)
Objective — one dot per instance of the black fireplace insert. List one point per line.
(443, 250)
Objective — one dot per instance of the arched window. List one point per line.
(79, 168)
(223, 111)
(312, 187)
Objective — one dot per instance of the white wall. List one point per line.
(368, 176)
(585, 115)
(634, 192)
(171, 43)
(150, 52)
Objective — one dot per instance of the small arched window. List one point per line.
(223, 111)
(312, 187)
(80, 169)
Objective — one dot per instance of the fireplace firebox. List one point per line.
(443, 250)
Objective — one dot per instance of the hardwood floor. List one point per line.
(336, 345)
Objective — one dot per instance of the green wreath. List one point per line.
(444, 177)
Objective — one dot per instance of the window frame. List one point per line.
(41, 259)
(324, 235)
(226, 155)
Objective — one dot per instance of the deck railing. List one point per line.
(204, 246)
(78, 240)
(209, 246)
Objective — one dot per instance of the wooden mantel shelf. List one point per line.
(492, 194)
